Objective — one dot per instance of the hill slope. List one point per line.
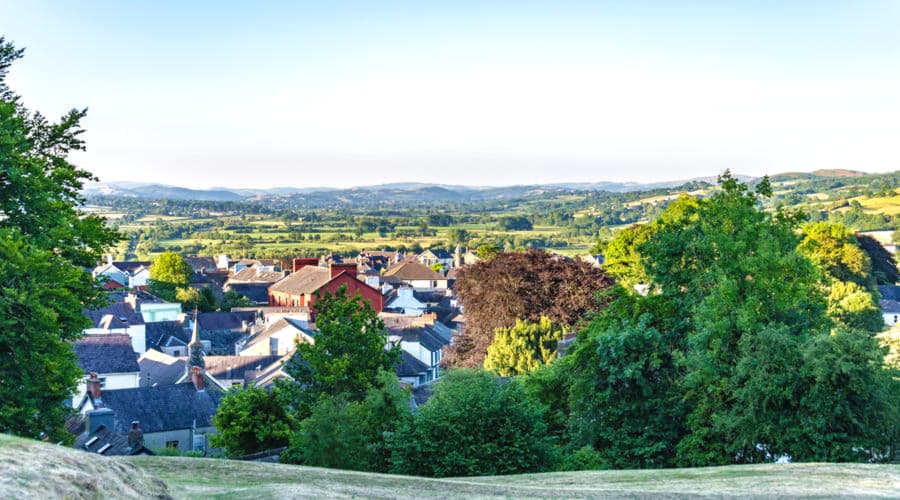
(29, 469)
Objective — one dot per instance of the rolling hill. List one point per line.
(29, 469)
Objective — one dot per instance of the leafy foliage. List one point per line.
(233, 299)
(45, 245)
(352, 434)
(251, 420)
(884, 266)
(526, 286)
(348, 353)
(474, 424)
(168, 272)
(523, 347)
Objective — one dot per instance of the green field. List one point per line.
(29, 469)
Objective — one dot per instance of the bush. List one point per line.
(251, 420)
(474, 424)
(584, 458)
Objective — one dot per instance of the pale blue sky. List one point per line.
(348, 93)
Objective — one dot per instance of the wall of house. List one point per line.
(112, 381)
(114, 274)
(287, 339)
(139, 280)
(153, 313)
(185, 437)
(441, 284)
(891, 319)
(354, 286)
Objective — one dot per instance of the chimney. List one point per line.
(299, 264)
(109, 258)
(197, 378)
(93, 386)
(245, 326)
(132, 299)
(101, 417)
(340, 268)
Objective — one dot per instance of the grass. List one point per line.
(29, 469)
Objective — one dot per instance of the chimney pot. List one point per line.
(197, 378)
(93, 385)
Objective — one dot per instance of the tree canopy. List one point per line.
(521, 286)
(46, 243)
(523, 348)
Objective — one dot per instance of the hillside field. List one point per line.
(29, 469)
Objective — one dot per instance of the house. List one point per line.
(421, 337)
(435, 256)
(416, 302)
(170, 337)
(219, 331)
(110, 358)
(122, 274)
(129, 313)
(202, 265)
(378, 260)
(277, 339)
(110, 276)
(890, 310)
(98, 437)
(258, 293)
(464, 257)
(223, 371)
(253, 283)
(299, 289)
(176, 416)
(414, 274)
(139, 278)
(410, 370)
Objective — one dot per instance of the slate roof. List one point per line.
(424, 335)
(256, 292)
(109, 443)
(890, 306)
(304, 281)
(106, 353)
(410, 366)
(253, 275)
(225, 320)
(439, 253)
(121, 315)
(162, 408)
(409, 271)
(159, 332)
(158, 368)
(890, 292)
(236, 367)
(131, 265)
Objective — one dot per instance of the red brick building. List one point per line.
(299, 289)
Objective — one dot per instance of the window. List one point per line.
(172, 444)
(102, 382)
(176, 352)
(273, 346)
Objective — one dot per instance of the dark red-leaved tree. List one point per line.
(521, 285)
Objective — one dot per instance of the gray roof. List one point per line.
(162, 408)
(160, 332)
(106, 353)
(256, 292)
(200, 263)
(235, 367)
(890, 292)
(890, 306)
(423, 335)
(122, 315)
(303, 326)
(254, 275)
(225, 320)
(117, 443)
(410, 366)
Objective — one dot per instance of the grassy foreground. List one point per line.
(34, 470)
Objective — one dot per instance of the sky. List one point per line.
(265, 94)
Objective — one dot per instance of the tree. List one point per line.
(192, 298)
(251, 420)
(474, 424)
(353, 435)
(515, 223)
(487, 252)
(168, 272)
(233, 299)
(622, 259)
(46, 243)
(523, 347)
(526, 286)
(884, 266)
(850, 287)
(457, 236)
(347, 355)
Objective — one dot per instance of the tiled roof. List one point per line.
(890, 292)
(158, 368)
(162, 408)
(109, 443)
(121, 315)
(306, 280)
(424, 335)
(410, 271)
(106, 353)
(200, 263)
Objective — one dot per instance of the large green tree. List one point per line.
(46, 243)
(169, 272)
(251, 420)
(475, 424)
(348, 353)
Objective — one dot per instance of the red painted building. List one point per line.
(299, 289)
